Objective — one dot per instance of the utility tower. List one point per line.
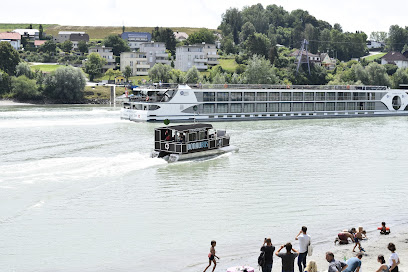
(300, 55)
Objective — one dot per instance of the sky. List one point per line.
(352, 15)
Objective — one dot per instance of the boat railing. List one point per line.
(287, 87)
(193, 146)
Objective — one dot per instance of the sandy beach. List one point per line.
(375, 244)
(11, 103)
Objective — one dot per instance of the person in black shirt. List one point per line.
(268, 248)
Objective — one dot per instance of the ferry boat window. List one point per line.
(371, 96)
(202, 135)
(154, 107)
(222, 108)
(340, 96)
(249, 107)
(319, 106)
(208, 108)
(309, 106)
(261, 107)
(331, 96)
(351, 106)
(330, 106)
(341, 106)
(320, 96)
(274, 96)
(192, 136)
(297, 96)
(236, 107)
(236, 96)
(309, 96)
(370, 105)
(297, 106)
(249, 96)
(359, 96)
(396, 102)
(222, 96)
(262, 96)
(208, 96)
(273, 107)
(286, 96)
(285, 107)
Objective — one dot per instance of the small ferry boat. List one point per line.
(186, 142)
(217, 102)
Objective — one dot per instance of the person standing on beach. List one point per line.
(394, 260)
(335, 266)
(354, 264)
(288, 258)
(212, 256)
(268, 250)
(304, 242)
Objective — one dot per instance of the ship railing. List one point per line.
(288, 87)
(190, 147)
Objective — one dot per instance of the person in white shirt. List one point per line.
(394, 260)
(304, 242)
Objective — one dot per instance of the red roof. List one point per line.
(39, 42)
(10, 36)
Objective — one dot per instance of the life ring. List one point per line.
(380, 228)
(147, 98)
(167, 146)
(225, 86)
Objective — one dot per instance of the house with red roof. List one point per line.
(395, 58)
(38, 43)
(13, 38)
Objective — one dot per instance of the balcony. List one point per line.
(142, 66)
(162, 55)
(201, 67)
(163, 61)
(141, 73)
(201, 60)
(213, 62)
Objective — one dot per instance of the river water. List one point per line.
(78, 191)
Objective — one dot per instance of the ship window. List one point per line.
(340, 96)
(330, 106)
(236, 96)
(396, 102)
(320, 96)
(285, 106)
(319, 106)
(309, 96)
(359, 96)
(274, 96)
(309, 106)
(208, 96)
(222, 96)
(351, 106)
(297, 106)
(297, 96)
(371, 96)
(370, 105)
(209, 108)
(286, 96)
(202, 135)
(341, 106)
(261, 96)
(154, 107)
(249, 96)
(222, 108)
(347, 96)
(331, 96)
(250, 107)
(236, 108)
(273, 107)
(192, 136)
(261, 107)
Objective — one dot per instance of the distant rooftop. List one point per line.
(394, 56)
(70, 32)
(138, 36)
(30, 32)
(10, 36)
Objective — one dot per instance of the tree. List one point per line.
(9, 58)
(165, 35)
(117, 43)
(203, 35)
(399, 77)
(82, 46)
(248, 29)
(377, 75)
(259, 71)
(112, 73)
(5, 82)
(258, 44)
(257, 16)
(93, 66)
(397, 37)
(41, 30)
(160, 72)
(65, 85)
(127, 73)
(24, 88)
(338, 27)
(379, 36)
(23, 69)
(192, 76)
(66, 46)
(231, 24)
(48, 47)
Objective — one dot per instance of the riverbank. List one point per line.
(12, 103)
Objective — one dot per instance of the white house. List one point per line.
(202, 56)
(13, 38)
(395, 58)
(32, 34)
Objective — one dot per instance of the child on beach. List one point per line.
(384, 229)
(358, 237)
(212, 256)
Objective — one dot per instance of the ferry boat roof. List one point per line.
(188, 127)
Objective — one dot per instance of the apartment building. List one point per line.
(135, 39)
(31, 34)
(202, 56)
(137, 61)
(74, 36)
(155, 52)
(106, 53)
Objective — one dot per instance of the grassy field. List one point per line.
(45, 67)
(101, 92)
(228, 64)
(374, 57)
(10, 27)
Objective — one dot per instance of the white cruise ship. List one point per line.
(204, 103)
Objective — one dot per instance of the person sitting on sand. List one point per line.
(343, 237)
(334, 266)
(311, 267)
(358, 237)
(212, 256)
(384, 267)
(384, 230)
